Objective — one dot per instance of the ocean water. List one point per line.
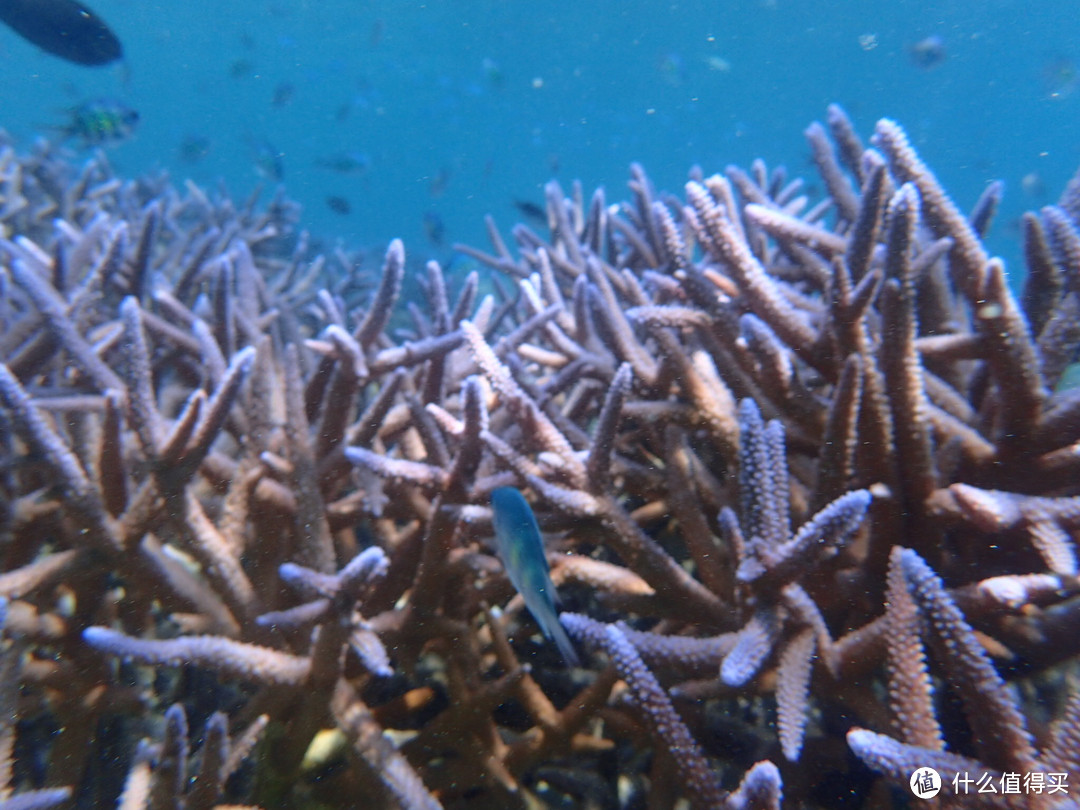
(456, 109)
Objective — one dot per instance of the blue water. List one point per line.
(456, 109)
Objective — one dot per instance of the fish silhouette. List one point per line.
(101, 122)
(64, 28)
(521, 548)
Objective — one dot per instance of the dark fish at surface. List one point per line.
(64, 28)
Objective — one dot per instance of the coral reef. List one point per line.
(809, 476)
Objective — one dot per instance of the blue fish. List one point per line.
(518, 541)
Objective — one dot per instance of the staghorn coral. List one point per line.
(999, 731)
(9, 699)
(230, 485)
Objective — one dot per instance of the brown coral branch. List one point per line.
(232, 659)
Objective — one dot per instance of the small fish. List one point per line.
(193, 148)
(438, 182)
(672, 70)
(345, 162)
(101, 122)
(492, 72)
(521, 549)
(434, 228)
(339, 205)
(63, 28)
(241, 69)
(531, 211)
(269, 160)
(928, 52)
(283, 94)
